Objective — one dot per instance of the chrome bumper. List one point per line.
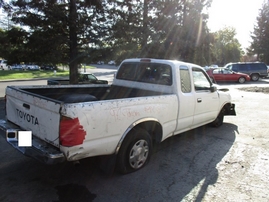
(40, 150)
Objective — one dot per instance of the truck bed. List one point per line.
(34, 108)
(75, 94)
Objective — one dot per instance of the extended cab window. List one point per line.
(185, 79)
(146, 72)
(201, 81)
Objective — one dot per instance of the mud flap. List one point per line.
(230, 110)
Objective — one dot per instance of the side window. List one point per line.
(243, 67)
(216, 71)
(91, 77)
(200, 80)
(229, 67)
(226, 71)
(185, 79)
(235, 67)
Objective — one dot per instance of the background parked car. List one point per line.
(31, 67)
(223, 74)
(16, 67)
(254, 69)
(3, 65)
(214, 66)
(48, 67)
(90, 78)
(112, 62)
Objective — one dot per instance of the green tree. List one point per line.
(126, 33)
(168, 29)
(226, 48)
(12, 45)
(59, 31)
(260, 35)
(3, 42)
(68, 31)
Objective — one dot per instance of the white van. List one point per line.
(3, 65)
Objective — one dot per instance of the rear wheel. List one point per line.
(242, 80)
(255, 77)
(135, 151)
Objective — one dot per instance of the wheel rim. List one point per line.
(139, 154)
(255, 77)
(241, 80)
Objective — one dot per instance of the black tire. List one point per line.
(218, 121)
(135, 151)
(242, 80)
(255, 77)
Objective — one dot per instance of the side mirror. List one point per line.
(213, 88)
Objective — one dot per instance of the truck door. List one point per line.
(206, 102)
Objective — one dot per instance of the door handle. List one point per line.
(199, 99)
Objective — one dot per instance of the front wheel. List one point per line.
(219, 120)
(241, 80)
(135, 151)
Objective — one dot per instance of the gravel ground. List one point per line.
(256, 89)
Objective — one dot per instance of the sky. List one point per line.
(240, 14)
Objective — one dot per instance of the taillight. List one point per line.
(71, 132)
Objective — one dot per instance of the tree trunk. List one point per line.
(145, 30)
(73, 64)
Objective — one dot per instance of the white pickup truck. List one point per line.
(148, 101)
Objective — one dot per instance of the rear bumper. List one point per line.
(40, 150)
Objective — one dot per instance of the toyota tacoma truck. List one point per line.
(149, 101)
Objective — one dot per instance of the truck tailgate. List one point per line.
(33, 113)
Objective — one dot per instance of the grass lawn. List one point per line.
(20, 74)
(31, 74)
